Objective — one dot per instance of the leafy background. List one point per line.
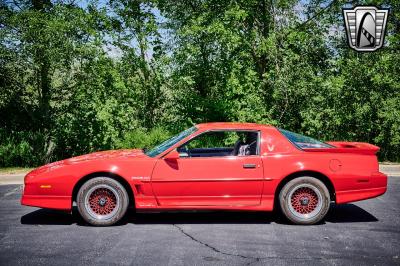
(82, 76)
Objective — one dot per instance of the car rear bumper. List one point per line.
(373, 186)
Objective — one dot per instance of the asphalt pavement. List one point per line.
(362, 233)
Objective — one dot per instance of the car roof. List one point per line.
(231, 125)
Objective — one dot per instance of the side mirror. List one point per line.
(173, 155)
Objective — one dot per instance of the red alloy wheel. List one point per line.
(304, 200)
(102, 201)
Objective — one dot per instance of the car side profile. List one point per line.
(212, 166)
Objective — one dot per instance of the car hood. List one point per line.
(101, 155)
(95, 156)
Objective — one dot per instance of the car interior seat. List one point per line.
(236, 147)
(251, 141)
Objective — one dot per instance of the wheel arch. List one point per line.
(114, 176)
(323, 178)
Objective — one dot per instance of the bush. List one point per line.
(142, 138)
(27, 149)
(21, 149)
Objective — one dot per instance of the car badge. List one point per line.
(365, 27)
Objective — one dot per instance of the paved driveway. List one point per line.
(363, 233)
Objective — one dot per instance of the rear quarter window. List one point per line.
(304, 142)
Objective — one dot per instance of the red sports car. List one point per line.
(230, 166)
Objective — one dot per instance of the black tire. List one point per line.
(102, 201)
(304, 200)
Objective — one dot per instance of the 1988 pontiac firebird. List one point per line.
(225, 166)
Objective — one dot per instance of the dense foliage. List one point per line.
(78, 77)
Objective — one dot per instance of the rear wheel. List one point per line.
(304, 200)
(102, 201)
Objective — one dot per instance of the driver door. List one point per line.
(209, 175)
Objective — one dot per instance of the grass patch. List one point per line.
(14, 170)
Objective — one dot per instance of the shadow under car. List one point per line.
(346, 213)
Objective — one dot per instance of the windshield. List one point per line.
(303, 142)
(170, 142)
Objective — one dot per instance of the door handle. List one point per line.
(249, 165)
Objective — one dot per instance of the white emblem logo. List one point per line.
(365, 27)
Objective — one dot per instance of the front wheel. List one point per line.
(102, 201)
(304, 200)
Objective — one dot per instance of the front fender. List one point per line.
(52, 186)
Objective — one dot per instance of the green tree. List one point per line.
(80, 77)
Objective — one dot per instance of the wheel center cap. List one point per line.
(304, 201)
(102, 201)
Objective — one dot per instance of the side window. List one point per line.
(222, 143)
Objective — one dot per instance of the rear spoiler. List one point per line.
(347, 147)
